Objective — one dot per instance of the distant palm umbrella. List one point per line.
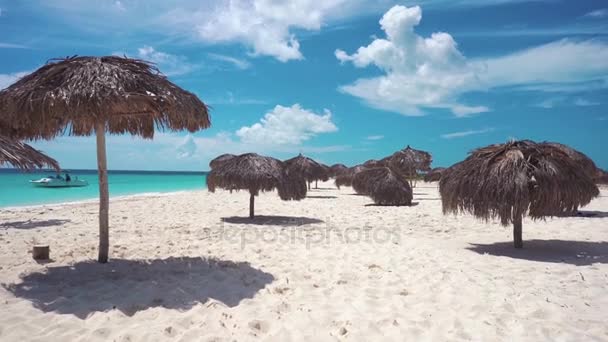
(434, 175)
(374, 163)
(507, 181)
(82, 96)
(600, 177)
(346, 177)
(409, 162)
(23, 156)
(384, 186)
(308, 168)
(219, 160)
(337, 169)
(256, 173)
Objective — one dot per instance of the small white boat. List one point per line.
(59, 182)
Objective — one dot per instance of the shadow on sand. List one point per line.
(321, 197)
(591, 214)
(579, 253)
(262, 220)
(134, 285)
(33, 224)
(390, 205)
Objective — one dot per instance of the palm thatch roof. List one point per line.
(384, 186)
(308, 168)
(219, 160)
(506, 181)
(346, 177)
(600, 177)
(337, 169)
(374, 163)
(73, 94)
(256, 173)
(408, 162)
(579, 157)
(434, 175)
(24, 156)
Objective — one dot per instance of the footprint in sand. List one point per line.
(259, 326)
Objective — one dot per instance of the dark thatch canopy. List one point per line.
(337, 169)
(307, 168)
(584, 161)
(506, 181)
(409, 162)
(256, 173)
(23, 156)
(85, 95)
(600, 177)
(374, 163)
(346, 177)
(434, 175)
(219, 160)
(74, 94)
(384, 186)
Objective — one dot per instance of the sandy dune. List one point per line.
(192, 267)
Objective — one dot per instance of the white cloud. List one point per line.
(187, 148)
(430, 72)
(419, 72)
(8, 79)
(466, 133)
(170, 65)
(559, 101)
(238, 63)
(598, 13)
(585, 103)
(266, 26)
(12, 46)
(287, 125)
(375, 137)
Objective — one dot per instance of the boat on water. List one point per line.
(59, 182)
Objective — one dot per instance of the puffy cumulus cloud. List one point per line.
(265, 25)
(430, 72)
(419, 72)
(287, 126)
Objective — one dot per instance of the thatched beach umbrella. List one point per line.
(82, 96)
(345, 178)
(256, 173)
(434, 175)
(23, 156)
(384, 186)
(308, 168)
(219, 160)
(600, 177)
(337, 169)
(507, 181)
(409, 162)
(585, 162)
(374, 163)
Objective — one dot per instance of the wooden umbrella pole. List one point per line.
(104, 196)
(518, 241)
(251, 206)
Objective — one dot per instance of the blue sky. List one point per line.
(341, 81)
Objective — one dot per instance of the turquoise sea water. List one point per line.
(15, 189)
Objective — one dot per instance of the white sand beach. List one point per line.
(192, 267)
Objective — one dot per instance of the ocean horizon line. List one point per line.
(74, 170)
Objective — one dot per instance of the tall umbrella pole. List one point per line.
(251, 206)
(518, 241)
(104, 197)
